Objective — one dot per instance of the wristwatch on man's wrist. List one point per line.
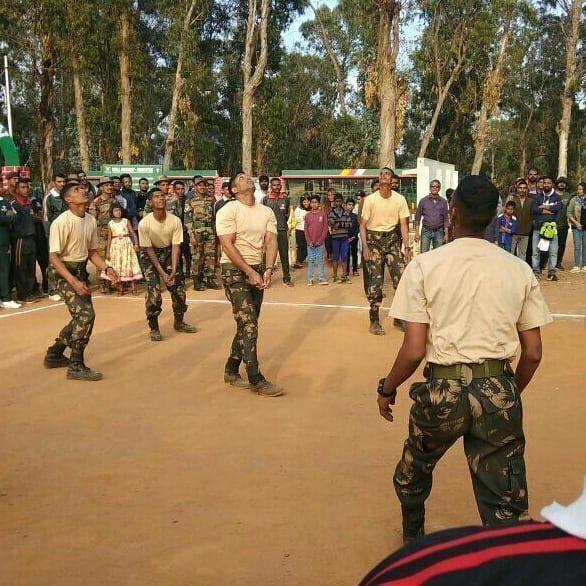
(381, 390)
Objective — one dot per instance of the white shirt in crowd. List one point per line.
(299, 215)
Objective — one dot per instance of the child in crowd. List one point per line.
(353, 238)
(299, 219)
(507, 226)
(316, 230)
(121, 250)
(340, 223)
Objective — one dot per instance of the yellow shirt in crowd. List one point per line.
(250, 224)
(152, 233)
(72, 237)
(475, 296)
(383, 214)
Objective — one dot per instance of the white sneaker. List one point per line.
(584, 269)
(55, 297)
(323, 282)
(310, 283)
(11, 305)
(575, 270)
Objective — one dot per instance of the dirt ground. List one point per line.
(161, 474)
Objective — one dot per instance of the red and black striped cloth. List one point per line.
(531, 554)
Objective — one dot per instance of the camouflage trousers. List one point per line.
(488, 414)
(203, 254)
(246, 303)
(154, 300)
(76, 334)
(385, 250)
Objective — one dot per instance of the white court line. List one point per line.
(226, 302)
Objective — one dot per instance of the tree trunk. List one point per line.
(491, 94)
(178, 87)
(563, 129)
(388, 46)
(46, 121)
(522, 159)
(125, 87)
(335, 63)
(84, 150)
(428, 134)
(252, 79)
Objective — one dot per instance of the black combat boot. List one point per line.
(232, 376)
(181, 326)
(78, 370)
(198, 284)
(375, 327)
(413, 523)
(212, 283)
(154, 327)
(54, 358)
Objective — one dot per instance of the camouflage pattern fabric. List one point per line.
(76, 334)
(100, 209)
(154, 300)
(385, 249)
(199, 212)
(487, 413)
(246, 303)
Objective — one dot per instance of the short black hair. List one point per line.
(154, 190)
(232, 179)
(338, 197)
(360, 193)
(276, 179)
(532, 169)
(114, 178)
(67, 188)
(374, 182)
(543, 177)
(262, 177)
(59, 176)
(389, 169)
(23, 180)
(225, 184)
(521, 182)
(143, 179)
(179, 182)
(511, 203)
(316, 197)
(476, 198)
(115, 206)
(124, 175)
(350, 200)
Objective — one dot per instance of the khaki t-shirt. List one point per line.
(250, 224)
(474, 296)
(72, 237)
(157, 234)
(383, 214)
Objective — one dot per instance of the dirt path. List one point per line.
(160, 474)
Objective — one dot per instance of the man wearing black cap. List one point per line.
(562, 219)
(470, 389)
(23, 244)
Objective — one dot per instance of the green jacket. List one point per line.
(574, 210)
(6, 221)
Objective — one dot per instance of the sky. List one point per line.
(409, 33)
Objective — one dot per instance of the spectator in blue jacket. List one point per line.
(507, 226)
(544, 208)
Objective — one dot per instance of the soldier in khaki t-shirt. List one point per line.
(467, 306)
(248, 235)
(160, 236)
(384, 224)
(73, 239)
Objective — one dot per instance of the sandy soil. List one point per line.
(161, 474)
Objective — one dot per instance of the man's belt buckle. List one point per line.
(466, 374)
